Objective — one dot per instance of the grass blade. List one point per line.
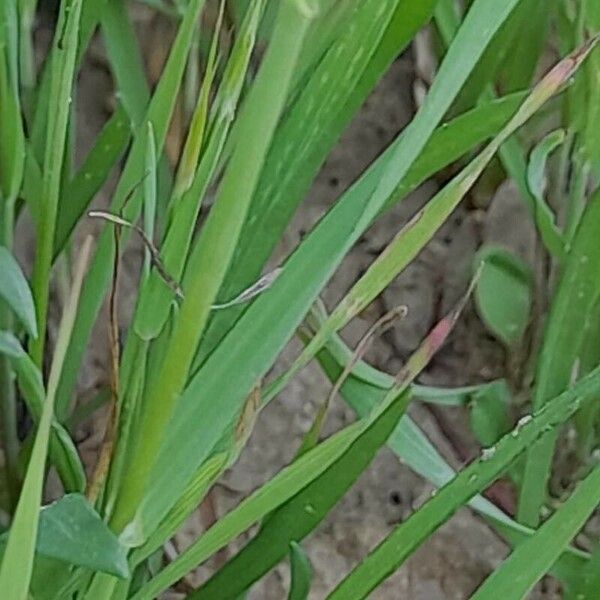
(573, 311)
(98, 277)
(369, 41)
(354, 446)
(79, 192)
(294, 292)
(297, 517)
(286, 484)
(126, 60)
(588, 580)
(155, 300)
(63, 71)
(214, 249)
(406, 538)
(536, 180)
(367, 388)
(531, 560)
(413, 237)
(190, 500)
(301, 514)
(484, 18)
(17, 565)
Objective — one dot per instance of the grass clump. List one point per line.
(263, 93)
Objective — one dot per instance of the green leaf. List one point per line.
(337, 351)
(367, 42)
(413, 237)
(31, 190)
(311, 498)
(531, 560)
(536, 169)
(126, 60)
(155, 297)
(588, 581)
(12, 149)
(199, 120)
(300, 573)
(504, 294)
(449, 142)
(10, 345)
(573, 312)
(149, 208)
(128, 66)
(9, 40)
(364, 389)
(49, 577)
(301, 514)
(406, 538)
(526, 48)
(447, 20)
(489, 71)
(14, 290)
(71, 531)
(201, 483)
(483, 19)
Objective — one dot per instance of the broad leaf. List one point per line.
(71, 531)
(504, 294)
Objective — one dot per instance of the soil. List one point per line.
(459, 556)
